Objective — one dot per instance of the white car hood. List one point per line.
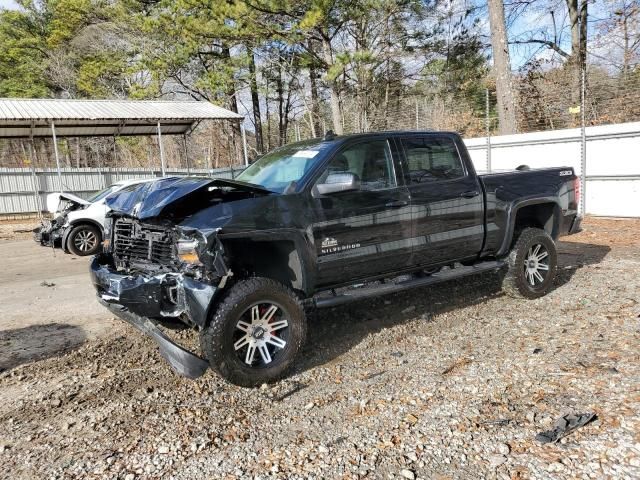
(54, 199)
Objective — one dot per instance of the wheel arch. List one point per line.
(543, 213)
(283, 258)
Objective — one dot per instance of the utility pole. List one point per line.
(583, 141)
(487, 124)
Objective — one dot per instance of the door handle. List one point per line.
(470, 194)
(397, 204)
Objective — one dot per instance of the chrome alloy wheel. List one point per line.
(261, 327)
(85, 240)
(535, 266)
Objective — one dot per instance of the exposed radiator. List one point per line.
(132, 241)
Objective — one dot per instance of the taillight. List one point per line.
(576, 190)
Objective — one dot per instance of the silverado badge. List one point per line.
(330, 245)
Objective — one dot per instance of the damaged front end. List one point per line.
(155, 274)
(163, 262)
(51, 232)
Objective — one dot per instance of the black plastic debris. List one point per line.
(47, 284)
(564, 426)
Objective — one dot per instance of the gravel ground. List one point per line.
(448, 382)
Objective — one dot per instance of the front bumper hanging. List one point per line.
(140, 299)
(183, 361)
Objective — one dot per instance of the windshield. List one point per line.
(277, 169)
(100, 195)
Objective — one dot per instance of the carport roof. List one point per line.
(74, 118)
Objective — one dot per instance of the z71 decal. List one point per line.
(564, 173)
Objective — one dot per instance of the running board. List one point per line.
(325, 301)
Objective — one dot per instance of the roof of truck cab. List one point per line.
(389, 133)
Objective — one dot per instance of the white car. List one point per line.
(78, 224)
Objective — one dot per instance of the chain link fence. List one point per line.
(549, 101)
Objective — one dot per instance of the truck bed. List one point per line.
(505, 189)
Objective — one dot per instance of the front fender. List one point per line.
(301, 260)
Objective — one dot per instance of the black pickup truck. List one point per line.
(316, 224)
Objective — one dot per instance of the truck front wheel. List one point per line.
(532, 265)
(256, 332)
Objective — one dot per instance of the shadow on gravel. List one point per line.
(37, 342)
(334, 331)
(575, 255)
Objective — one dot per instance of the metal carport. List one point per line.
(32, 118)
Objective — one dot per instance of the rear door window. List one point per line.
(432, 159)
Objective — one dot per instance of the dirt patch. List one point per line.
(17, 229)
(619, 232)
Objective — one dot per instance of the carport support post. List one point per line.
(244, 144)
(55, 150)
(161, 148)
(34, 176)
(186, 153)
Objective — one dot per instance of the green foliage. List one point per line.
(22, 56)
(95, 75)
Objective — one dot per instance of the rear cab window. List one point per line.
(431, 159)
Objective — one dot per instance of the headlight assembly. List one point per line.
(187, 252)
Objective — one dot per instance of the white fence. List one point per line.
(612, 161)
(18, 186)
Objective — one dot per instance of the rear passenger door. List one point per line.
(366, 231)
(446, 200)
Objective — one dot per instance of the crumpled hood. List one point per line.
(53, 200)
(162, 197)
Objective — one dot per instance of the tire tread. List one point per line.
(512, 283)
(214, 332)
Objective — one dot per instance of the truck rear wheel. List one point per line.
(256, 333)
(533, 262)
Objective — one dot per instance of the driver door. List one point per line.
(366, 231)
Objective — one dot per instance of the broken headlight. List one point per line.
(187, 251)
(106, 242)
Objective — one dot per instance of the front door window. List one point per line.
(371, 162)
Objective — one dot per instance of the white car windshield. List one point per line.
(103, 193)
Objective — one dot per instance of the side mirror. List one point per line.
(339, 182)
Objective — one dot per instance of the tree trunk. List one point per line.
(231, 89)
(315, 104)
(578, 59)
(266, 102)
(233, 105)
(332, 84)
(255, 102)
(502, 68)
(281, 113)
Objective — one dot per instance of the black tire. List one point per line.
(519, 277)
(84, 240)
(224, 333)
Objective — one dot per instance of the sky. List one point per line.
(8, 4)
